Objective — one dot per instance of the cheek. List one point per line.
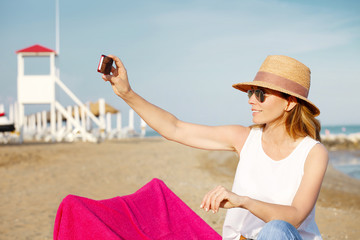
(276, 106)
(278, 102)
(278, 112)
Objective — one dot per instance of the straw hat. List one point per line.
(283, 74)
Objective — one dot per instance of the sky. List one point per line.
(185, 55)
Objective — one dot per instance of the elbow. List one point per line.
(169, 133)
(171, 136)
(295, 224)
(173, 133)
(290, 214)
(297, 220)
(167, 137)
(294, 221)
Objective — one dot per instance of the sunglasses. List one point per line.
(259, 94)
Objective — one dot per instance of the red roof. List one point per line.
(35, 49)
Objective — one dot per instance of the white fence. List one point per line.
(72, 124)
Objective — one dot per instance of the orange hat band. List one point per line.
(282, 82)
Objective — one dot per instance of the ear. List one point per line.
(292, 101)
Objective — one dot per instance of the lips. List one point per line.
(255, 110)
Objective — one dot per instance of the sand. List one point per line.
(35, 177)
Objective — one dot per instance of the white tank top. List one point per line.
(259, 177)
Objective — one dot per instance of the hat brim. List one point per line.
(245, 86)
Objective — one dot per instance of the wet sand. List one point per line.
(35, 177)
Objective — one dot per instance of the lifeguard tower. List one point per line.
(40, 89)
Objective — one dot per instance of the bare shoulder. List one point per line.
(318, 157)
(240, 134)
(239, 131)
(242, 130)
(319, 151)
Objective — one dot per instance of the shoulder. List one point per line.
(236, 132)
(239, 135)
(241, 129)
(317, 158)
(318, 151)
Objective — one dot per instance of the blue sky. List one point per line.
(184, 55)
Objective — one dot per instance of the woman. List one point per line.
(282, 163)
(279, 175)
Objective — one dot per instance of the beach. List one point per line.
(35, 177)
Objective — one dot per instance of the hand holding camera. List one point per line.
(118, 78)
(105, 65)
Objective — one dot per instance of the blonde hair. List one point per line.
(300, 122)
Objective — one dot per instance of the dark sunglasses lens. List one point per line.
(260, 95)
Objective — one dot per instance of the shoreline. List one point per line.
(36, 179)
(335, 142)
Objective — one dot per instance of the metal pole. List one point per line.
(57, 22)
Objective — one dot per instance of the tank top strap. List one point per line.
(254, 137)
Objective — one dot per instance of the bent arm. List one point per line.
(166, 124)
(305, 198)
(303, 202)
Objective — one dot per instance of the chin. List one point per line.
(257, 121)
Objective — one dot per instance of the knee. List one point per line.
(278, 229)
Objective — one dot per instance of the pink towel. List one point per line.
(153, 212)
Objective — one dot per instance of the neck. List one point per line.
(276, 132)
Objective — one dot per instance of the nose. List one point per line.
(252, 99)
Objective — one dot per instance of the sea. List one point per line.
(340, 129)
(346, 161)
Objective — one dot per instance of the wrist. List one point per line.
(126, 94)
(245, 202)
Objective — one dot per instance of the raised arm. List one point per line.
(166, 124)
(296, 213)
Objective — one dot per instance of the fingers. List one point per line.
(117, 61)
(113, 70)
(213, 199)
(119, 71)
(106, 78)
(118, 78)
(217, 198)
(205, 202)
